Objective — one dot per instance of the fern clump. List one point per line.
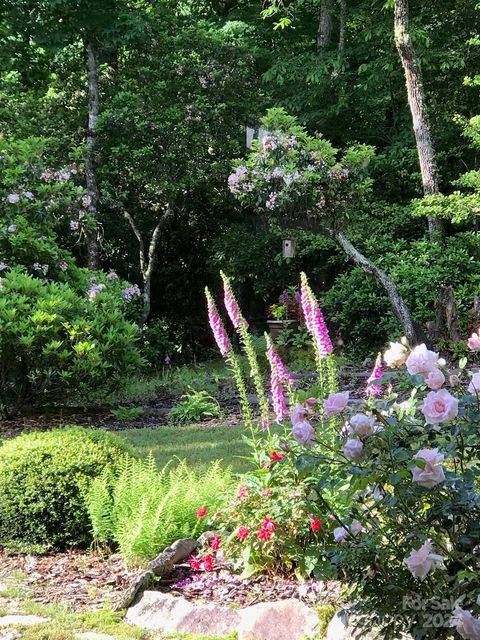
(142, 510)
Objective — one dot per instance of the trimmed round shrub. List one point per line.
(43, 481)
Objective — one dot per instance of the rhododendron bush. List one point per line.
(379, 487)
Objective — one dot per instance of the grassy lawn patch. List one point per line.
(197, 444)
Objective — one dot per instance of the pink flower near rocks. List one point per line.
(340, 534)
(474, 341)
(421, 361)
(421, 561)
(433, 473)
(395, 355)
(466, 625)
(435, 379)
(474, 386)
(361, 425)
(353, 450)
(335, 403)
(439, 406)
(303, 432)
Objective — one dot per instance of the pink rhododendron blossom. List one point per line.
(361, 425)
(474, 386)
(298, 413)
(353, 450)
(433, 472)
(421, 360)
(439, 406)
(372, 388)
(421, 561)
(303, 432)
(340, 534)
(474, 341)
(435, 379)
(466, 625)
(335, 403)
(395, 355)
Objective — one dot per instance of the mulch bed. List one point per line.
(83, 580)
(223, 587)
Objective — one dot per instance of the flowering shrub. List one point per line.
(393, 478)
(55, 341)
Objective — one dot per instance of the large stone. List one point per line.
(282, 620)
(343, 627)
(9, 634)
(157, 611)
(26, 621)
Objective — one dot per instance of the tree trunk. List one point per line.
(341, 31)
(147, 264)
(416, 101)
(93, 253)
(412, 332)
(325, 25)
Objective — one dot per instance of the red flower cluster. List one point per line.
(202, 512)
(316, 525)
(276, 457)
(215, 543)
(242, 533)
(265, 531)
(202, 564)
(242, 492)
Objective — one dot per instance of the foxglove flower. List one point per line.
(314, 319)
(372, 388)
(273, 356)
(216, 325)
(231, 304)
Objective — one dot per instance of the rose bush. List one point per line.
(393, 475)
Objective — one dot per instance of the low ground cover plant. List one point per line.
(387, 484)
(195, 407)
(44, 478)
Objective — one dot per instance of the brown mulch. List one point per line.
(223, 587)
(83, 580)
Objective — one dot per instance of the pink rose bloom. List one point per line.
(433, 473)
(465, 624)
(439, 406)
(361, 425)
(353, 450)
(303, 432)
(298, 413)
(340, 534)
(421, 360)
(474, 386)
(453, 380)
(474, 341)
(356, 528)
(335, 403)
(435, 379)
(395, 355)
(422, 560)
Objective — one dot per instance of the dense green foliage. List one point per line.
(44, 478)
(178, 83)
(143, 510)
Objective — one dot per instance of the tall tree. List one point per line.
(418, 108)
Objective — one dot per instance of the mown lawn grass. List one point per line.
(197, 444)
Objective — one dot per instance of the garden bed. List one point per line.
(225, 588)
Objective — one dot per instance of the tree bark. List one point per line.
(417, 103)
(412, 332)
(325, 25)
(341, 31)
(93, 252)
(147, 263)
